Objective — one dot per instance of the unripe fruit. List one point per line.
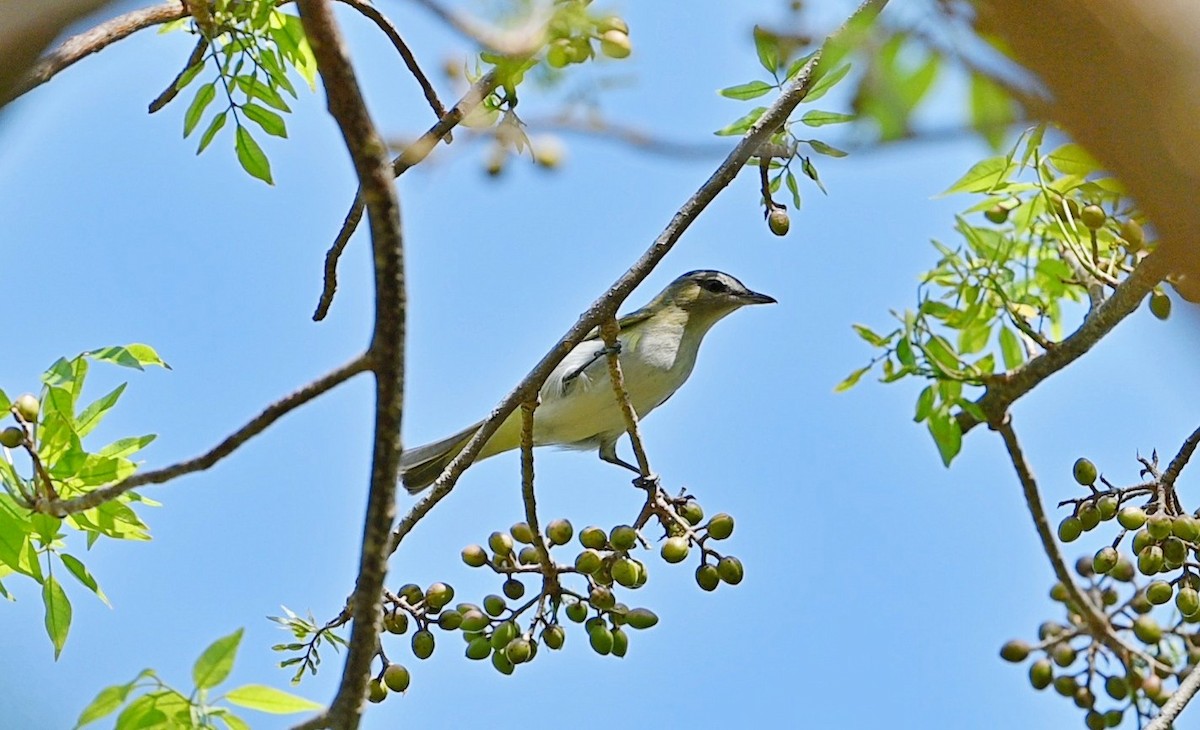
(1070, 529)
(396, 677)
(1141, 540)
(28, 407)
(479, 648)
(1109, 596)
(1140, 604)
(602, 598)
(1159, 592)
(641, 618)
(12, 437)
(411, 593)
(615, 44)
(504, 633)
(1133, 234)
(519, 651)
(1186, 527)
(522, 533)
(450, 620)
(1159, 526)
(675, 549)
(1116, 687)
(1174, 551)
(1065, 685)
(593, 537)
(1124, 571)
(1131, 518)
(554, 636)
(588, 561)
(692, 512)
(1147, 630)
(474, 556)
(778, 221)
(601, 638)
(577, 611)
(1113, 718)
(559, 532)
(620, 643)
(438, 595)
(376, 691)
(996, 214)
(1188, 601)
(500, 542)
(1063, 655)
(422, 644)
(612, 22)
(1105, 560)
(514, 588)
(1058, 592)
(1014, 651)
(623, 537)
(1160, 305)
(1041, 674)
(1084, 699)
(1093, 216)
(730, 569)
(1108, 507)
(1084, 471)
(707, 577)
(501, 662)
(625, 571)
(474, 621)
(395, 622)
(720, 526)
(1089, 516)
(493, 605)
(558, 55)
(529, 556)
(1093, 720)
(1048, 629)
(1150, 560)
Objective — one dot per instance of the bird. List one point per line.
(577, 409)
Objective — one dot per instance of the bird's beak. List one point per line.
(753, 297)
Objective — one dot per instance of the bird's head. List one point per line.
(707, 296)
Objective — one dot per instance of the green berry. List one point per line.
(1093, 216)
(422, 644)
(1159, 526)
(1188, 601)
(625, 571)
(1105, 560)
(641, 618)
(1150, 560)
(1014, 651)
(1174, 551)
(577, 611)
(501, 543)
(450, 620)
(1116, 687)
(1089, 516)
(707, 577)
(1142, 540)
(554, 637)
(1186, 528)
(501, 662)
(1133, 234)
(692, 512)
(411, 593)
(615, 44)
(504, 633)
(1147, 630)
(1131, 518)
(521, 533)
(396, 677)
(730, 569)
(593, 537)
(1058, 592)
(602, 598)
(1124, 571)
(996, 214)
(778, 221)
(588, 561)
(474, 556)
(601, 638)
(720, 526)
(519, 650)
(623, 537)
(1063, 655)
(1140, 604)
(1093, 720)
(620, 643)
(1107, 505)
(1041, 674)
(438, 595)
(376, 691)
(1084, 699)
(1113, 718)
(529, 556)
(1084, 471)
(1160, 304)
(474, 621)
(559, 532)
(479, 648)
(28, 407)
(675, 549)
(493, 605)
(1065, 685)
(12, 437)
(1070, 529)
(395, 622)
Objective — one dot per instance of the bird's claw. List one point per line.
(650, 481)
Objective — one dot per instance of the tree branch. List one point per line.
(1179, 699)
(385, 354)
(96, 39)
(412, 155)
(1167, 480)
(606, 305)
(172, 89)
(518, 42)
(272, 413)
(609, 331)
(548, 568)
(1006, 389)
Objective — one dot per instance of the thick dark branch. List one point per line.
(172, 90)
(256, 426)
(96, 39)
(412, 155)
(1180, 460)
(1006, 389)
(372, 13)
(606, 306)
(386, 352)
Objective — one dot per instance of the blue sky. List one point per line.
(879, 586)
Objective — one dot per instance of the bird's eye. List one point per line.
(716, 286)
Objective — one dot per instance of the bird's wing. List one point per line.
(639, 315)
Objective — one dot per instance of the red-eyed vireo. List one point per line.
(578, 409)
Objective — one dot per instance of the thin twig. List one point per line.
(172, 89)
(385, 354)
(389, 29)
(641, 140)
(1004, 390)
(411, 156)
(609, 331)
(255, 426)
(518, 42)
(93, 40)
(606, 305)
(1181, 459)
(549, 570)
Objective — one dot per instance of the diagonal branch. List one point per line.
(1181, 459)
(1004, 390)
(412, 155)
(272, 413)
(606, 305)
(609, 331)
(385, 354)
(1179, 699)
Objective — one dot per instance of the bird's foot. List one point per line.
(614, 349)
(650, 481)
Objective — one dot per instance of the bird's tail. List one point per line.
(419, 467)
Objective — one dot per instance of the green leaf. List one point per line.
(826, 82)
(189, 74)
(1010, 349)
(794, 188)
(5, 403)
(751, 90)
(742, 125)
(105, 703)
(58, 613)
(213, 127)
(982, 177)
(992, 109)
(824, 149)
(126, 446)
(816, 118)
(798, 64)
(851, 380)
(130, 356)
(270, 122)
(256, 89)
(810, 170)
(1073, 159)
(250, 155)
(216, 662)
(924, 404)
(80, 571)
(975, 338)
(904, 352)
(870, 335)
(268, 699)
(946, 434)
(204, 96)
(766, 44)
(941, 353)
(233, 722)
(95, 412)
